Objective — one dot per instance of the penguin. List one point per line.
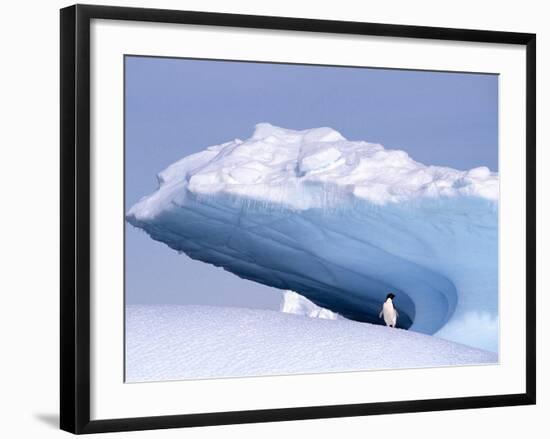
(389, 312)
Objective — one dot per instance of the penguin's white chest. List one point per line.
(390, 316)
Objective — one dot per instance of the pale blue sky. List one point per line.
(175, 107)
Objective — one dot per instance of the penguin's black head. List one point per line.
(390, 296)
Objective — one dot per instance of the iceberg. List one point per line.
(293, 303)
(342, 223)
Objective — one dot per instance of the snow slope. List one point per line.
(190, 342)
(341, 223)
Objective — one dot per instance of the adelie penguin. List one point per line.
(389, 312)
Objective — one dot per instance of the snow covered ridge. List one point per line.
(191, 342)
(342, 224)
(281, 165)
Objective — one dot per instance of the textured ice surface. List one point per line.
(189, 342)
(341, 223)
(294, 303)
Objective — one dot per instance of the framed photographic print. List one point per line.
(273, 218)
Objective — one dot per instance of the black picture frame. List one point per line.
(75, 217)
